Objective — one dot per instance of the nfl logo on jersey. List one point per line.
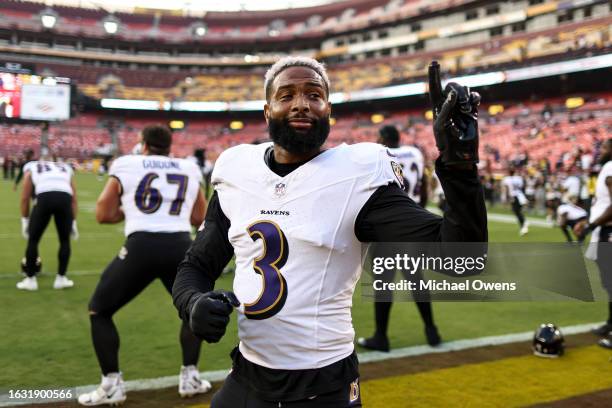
(280, 189)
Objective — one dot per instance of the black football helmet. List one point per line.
(548, 341)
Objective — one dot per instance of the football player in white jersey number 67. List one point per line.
(160, 199)
(295, 214)
(53, 186)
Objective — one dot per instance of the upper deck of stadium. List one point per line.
(367, 44)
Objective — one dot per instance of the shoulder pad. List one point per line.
(364, 153)
(235, 156)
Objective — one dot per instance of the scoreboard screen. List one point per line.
(32, 97)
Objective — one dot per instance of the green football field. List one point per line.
(44, 335)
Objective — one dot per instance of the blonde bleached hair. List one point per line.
(288, 62)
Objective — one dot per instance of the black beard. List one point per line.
(297, 142)
(604, 159)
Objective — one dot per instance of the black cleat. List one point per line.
(605, 343)
(432, 335)
(603, 330)
(376, 343)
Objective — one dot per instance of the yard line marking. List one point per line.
(505, 218)
(84, 235)
(17, 274)
(367, 357)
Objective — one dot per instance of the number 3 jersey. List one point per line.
(297, 257)
(158, 192)
(50, 176)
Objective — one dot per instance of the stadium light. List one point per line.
(199, 29)
(109, 103)
(48, 21)
(573, 103)
(496, 109)
(377, 118)
(48, 18)
(276, 26)
(251, 58)
(236, 125)
(111, 25)
(176, 124)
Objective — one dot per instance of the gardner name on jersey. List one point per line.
(158, 192)
(297, 256)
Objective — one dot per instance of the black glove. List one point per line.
(209, 314)
(455, 119)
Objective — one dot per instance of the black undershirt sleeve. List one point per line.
(209, 253)
(391, 216)
(20, 174)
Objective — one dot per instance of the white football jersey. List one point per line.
(572, 212)
(50, 176)
(158, 192)
(297, 257)
(515, 185)
(572, 185)
(413, 164)
(602, 194)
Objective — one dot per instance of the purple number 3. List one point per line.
(275, 251)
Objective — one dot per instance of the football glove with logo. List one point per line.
(455, 113)
(209, 314)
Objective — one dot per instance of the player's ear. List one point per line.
(267, 112)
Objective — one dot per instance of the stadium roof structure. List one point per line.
(89, 12)
(188, 7)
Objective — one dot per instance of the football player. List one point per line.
(568, 215)
(28, 155)
(294, 214)
(412, 162)
(600, 222)
(51, 186)
(160, 199)
(513, 186)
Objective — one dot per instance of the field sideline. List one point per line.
(46, 342)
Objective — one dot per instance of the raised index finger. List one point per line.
(436, 97)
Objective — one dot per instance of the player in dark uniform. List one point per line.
(28, 156)
(415, 184)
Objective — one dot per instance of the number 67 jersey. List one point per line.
(297, 257)
(158, 192)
